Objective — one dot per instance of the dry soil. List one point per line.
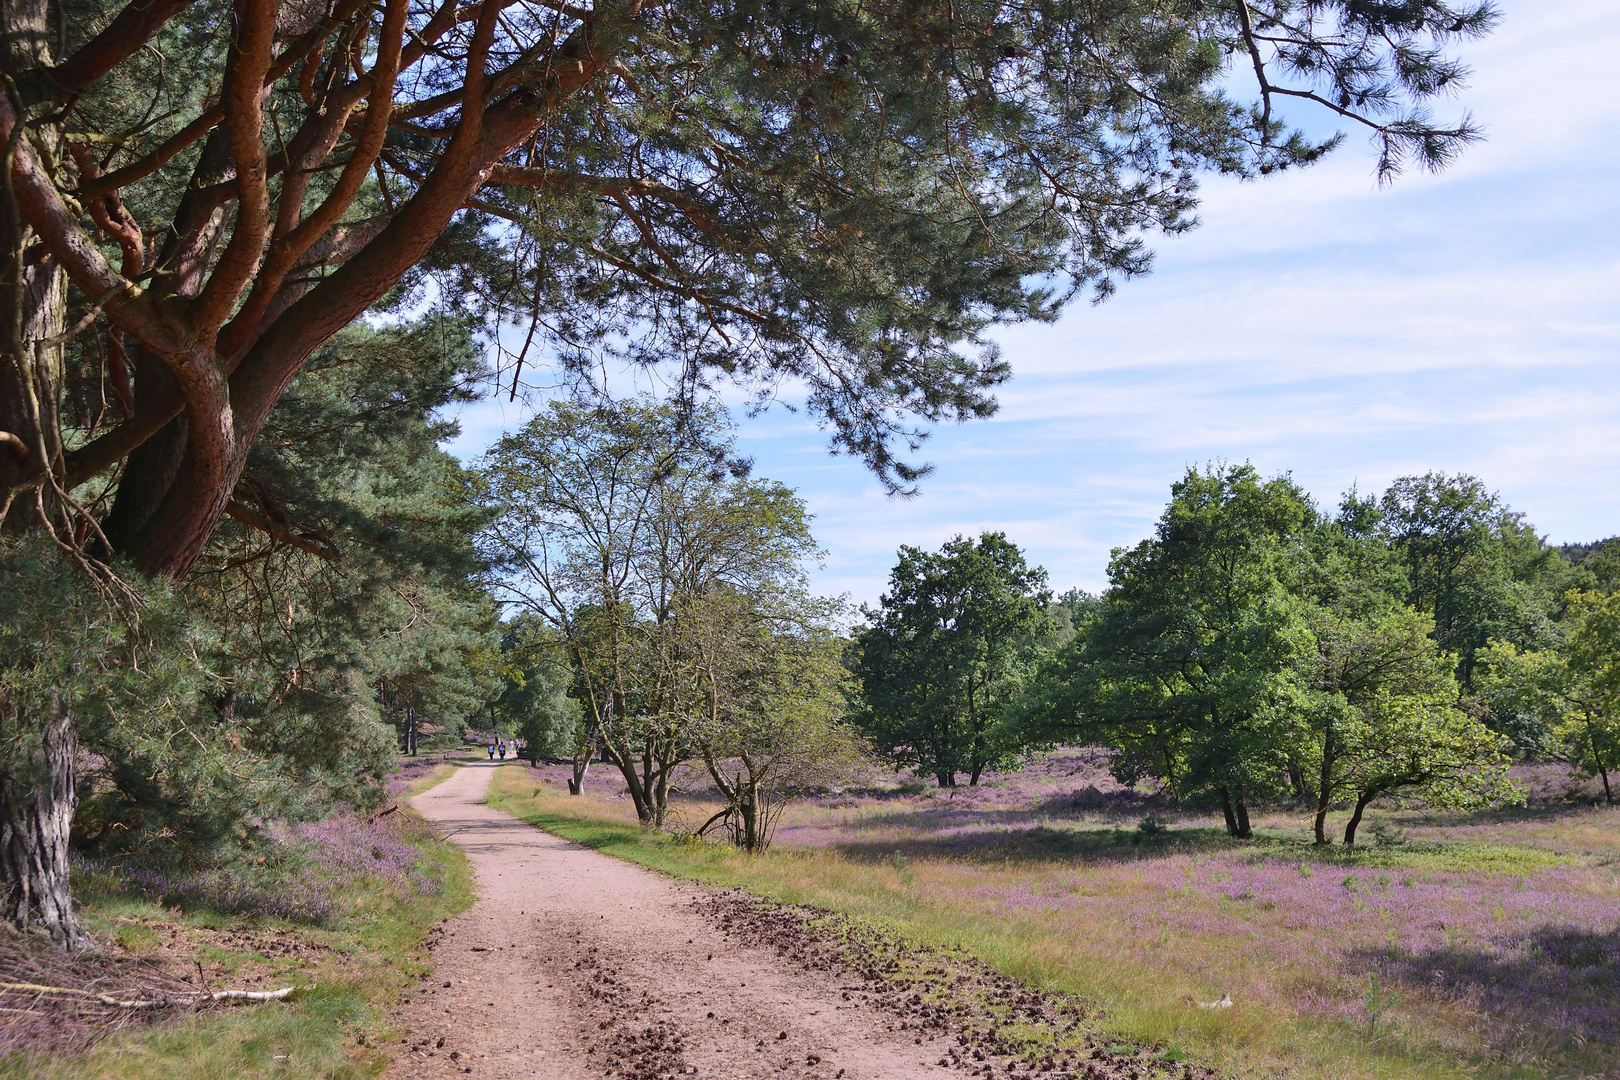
(572, 964)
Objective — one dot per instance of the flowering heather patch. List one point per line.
(1538, 951)
(310, 872)
(235, 891)
(1494, 935)
(408, 772)
(344, 849)
(602, 781)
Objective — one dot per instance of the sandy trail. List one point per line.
(573, 964)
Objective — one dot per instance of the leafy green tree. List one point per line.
(945, 652)
(534, 701)
(1597, 565)
(1386, 719)
(1594, 658)
(1478, 567)
(1431, 748)
(771, 690)
(1194, 668)
(610, 522)
(1572, 692)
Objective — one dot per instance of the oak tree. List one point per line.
(946, 649)
(1193, 666)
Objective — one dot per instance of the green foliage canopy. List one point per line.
(946, 650)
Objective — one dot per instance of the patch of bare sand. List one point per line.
(573, 964)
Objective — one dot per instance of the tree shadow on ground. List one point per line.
(1014, 838)
(1555, 988)
(1501, 815)
(1042, 844)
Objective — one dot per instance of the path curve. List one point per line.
(575, 965)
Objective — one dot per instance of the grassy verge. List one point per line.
(441, 772)
(1146, 977)
(359, 964)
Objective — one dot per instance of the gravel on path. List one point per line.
(573, 964)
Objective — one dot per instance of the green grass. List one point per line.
(366, 960)
(439, 775)
(1146, 975)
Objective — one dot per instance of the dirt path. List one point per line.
(573, 964)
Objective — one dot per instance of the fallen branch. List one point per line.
(196, 999)
(177, 1000)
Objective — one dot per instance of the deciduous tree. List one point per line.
(1572, 692)
(947, 649)
(1194, 667)
(770, 696)
(1386, 719)
(1476, 565)
(612, 523)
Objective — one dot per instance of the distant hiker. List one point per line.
(492, 751)
(503, 751)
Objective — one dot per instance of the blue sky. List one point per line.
(1467, 322)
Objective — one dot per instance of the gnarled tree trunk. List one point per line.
(37, 801)
(1354, 823)
(1324, 792)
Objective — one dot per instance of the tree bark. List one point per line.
(1296, 779)
(1226, 809)
(976, 753)
(1324, 795)
(1597, 759)
(1355, 817)
(33, 288)
(38, 796)
(583, 752)
(1244, 832)
(749, 808)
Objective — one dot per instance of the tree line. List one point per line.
(1257, 648)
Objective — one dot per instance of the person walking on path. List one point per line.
(492, 751)
(503, 750)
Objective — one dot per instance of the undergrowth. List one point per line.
(363, 948)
